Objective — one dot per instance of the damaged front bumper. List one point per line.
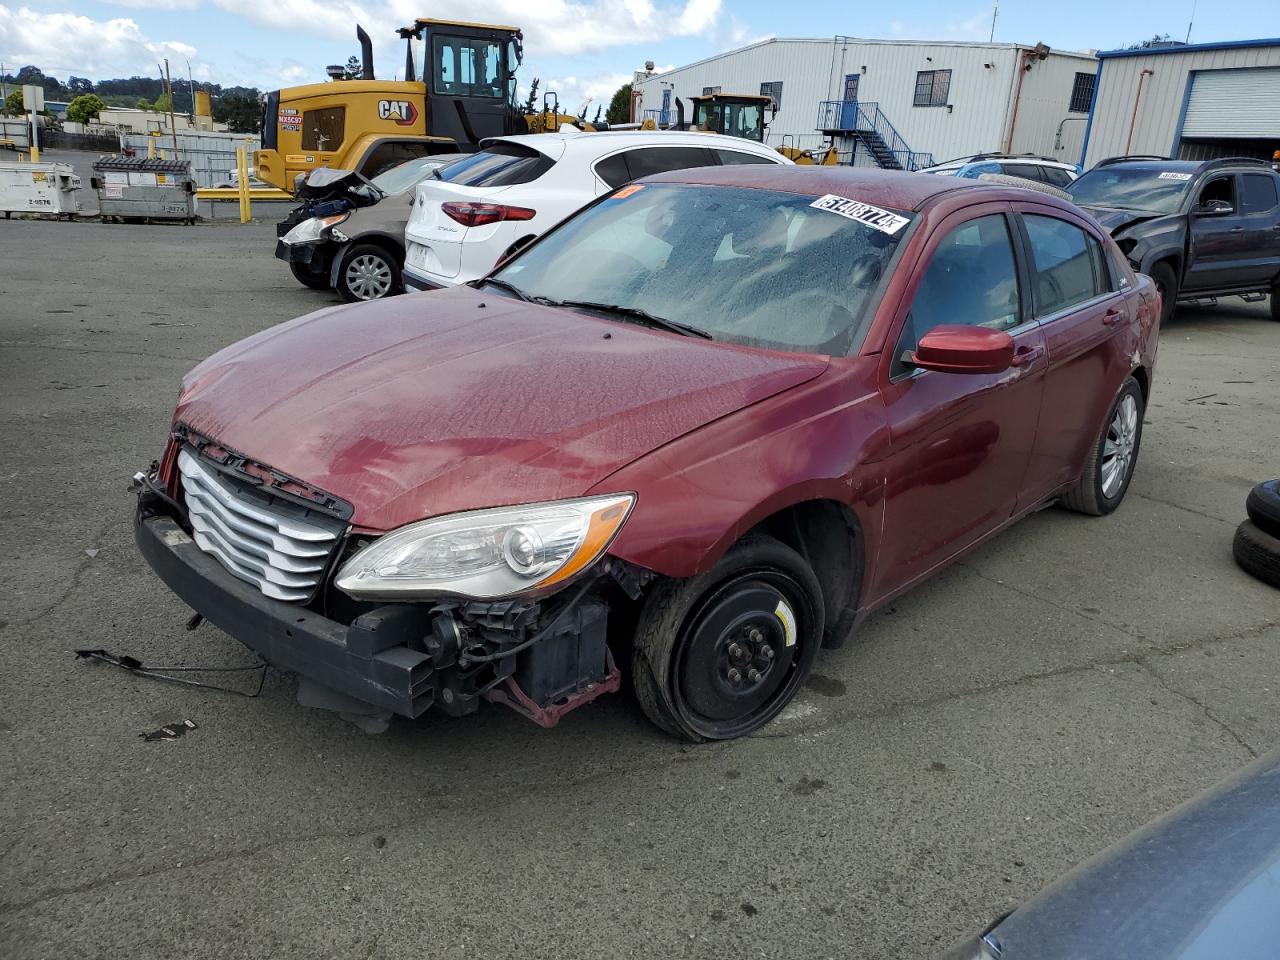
(367, 660)
(402, 658)
(312, 255)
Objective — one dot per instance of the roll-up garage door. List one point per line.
(1234, 104)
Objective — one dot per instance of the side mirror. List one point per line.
(957, 349)
(1215, 208)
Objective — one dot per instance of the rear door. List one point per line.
(1080, 305)
(1260, 210)
(960, 443)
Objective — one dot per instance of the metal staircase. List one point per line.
(865, 123)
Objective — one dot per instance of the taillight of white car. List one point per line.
(473, 214)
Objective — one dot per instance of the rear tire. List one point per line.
(1263, 506)
(316, 281)
(368, 272)
(1257, 553)
(1109, 466)
(719, 655)
(1166, 282)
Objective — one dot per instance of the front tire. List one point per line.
(720, 655)
(368, 273)
(1166, 282)
(308, 278)
(1109, 466)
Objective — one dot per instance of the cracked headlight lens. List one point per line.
(487, 554)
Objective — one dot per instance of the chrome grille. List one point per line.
(283, 555)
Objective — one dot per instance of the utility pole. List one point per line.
(173, 125)
(191, 89)
(994, 13)
(1191, 21)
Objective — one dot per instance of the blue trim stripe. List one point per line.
(1189, 48)
(1093, 105)
(1182, 115)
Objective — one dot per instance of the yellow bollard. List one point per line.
(242, 167)
(151, 148)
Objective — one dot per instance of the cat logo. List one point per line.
(401, 111)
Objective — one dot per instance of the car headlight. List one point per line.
(487, 554)
(313, 229)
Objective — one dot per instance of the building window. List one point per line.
(1082, 93)
(932, 88)
(710, 91)
(773, 89)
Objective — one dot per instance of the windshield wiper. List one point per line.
(510, 287)
(636, 314)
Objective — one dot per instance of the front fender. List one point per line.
(699, 494)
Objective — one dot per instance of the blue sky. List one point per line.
(582, 48)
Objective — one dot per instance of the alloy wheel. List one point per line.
(1119, 447)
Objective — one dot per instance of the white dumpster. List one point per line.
(51, 188)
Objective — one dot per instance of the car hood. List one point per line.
(431, 403)
(1114, 220)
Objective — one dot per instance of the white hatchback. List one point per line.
(470, 214)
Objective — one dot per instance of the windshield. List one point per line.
(1155, 191)
(755, 267)
(403, 176)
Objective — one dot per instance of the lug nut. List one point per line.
(734, 675)
(753, 674)
(735, 651)
(768, 652)
(755, 635)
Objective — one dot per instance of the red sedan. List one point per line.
(706, 424)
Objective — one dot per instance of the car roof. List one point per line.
(999, 158)
(606, 141)
(895, 189)
(1171, 166)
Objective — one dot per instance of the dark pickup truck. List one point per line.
(1199, 228)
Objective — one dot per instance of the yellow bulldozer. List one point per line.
(459, 88)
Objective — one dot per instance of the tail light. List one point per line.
(471, 214)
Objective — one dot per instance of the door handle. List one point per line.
(1027, 356)
(1112, 317)
(1237, 229)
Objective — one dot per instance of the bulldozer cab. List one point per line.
(742, 115)
(468, 70)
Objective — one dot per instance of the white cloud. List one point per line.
(156, 4)
(62, 44)
(576, 92)
(551, 27)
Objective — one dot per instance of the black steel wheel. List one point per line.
(720, 655)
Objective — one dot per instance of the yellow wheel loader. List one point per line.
(744, 115)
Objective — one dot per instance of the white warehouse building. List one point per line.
(1187, 102)
(923, 101)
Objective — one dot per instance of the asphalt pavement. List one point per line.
(1070, 680)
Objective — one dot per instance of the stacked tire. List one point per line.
(1257, 543)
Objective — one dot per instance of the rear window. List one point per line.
(1027, 171)
(646, 161)
(498, 165)
(1258, 193)
(733, 157)
(323, 129)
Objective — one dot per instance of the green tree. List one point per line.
(84, 108)
(162, 103)
(143, 104)
(241, 113)
(620, 105)
(13, 103)
(353, 69)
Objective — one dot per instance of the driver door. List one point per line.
(959, 443)
(1219, 254)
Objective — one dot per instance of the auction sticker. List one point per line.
(290, 119)
(783, 613)
(1174, 176)
(873, 217)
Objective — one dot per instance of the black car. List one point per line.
(1201, 883)
(1199, 228)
